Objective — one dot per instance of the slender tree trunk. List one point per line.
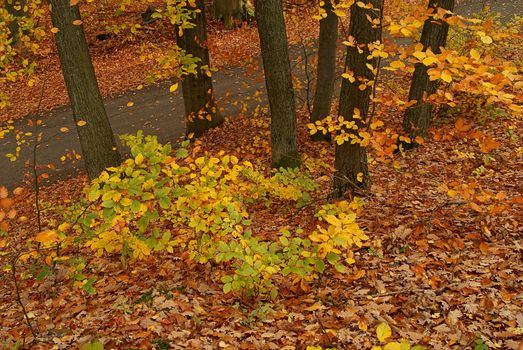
(227, 10)
(326, 68)
(96, 136)
(276, 64)
(434, 36)
(15, 8)
(351, 159)
(201, 113)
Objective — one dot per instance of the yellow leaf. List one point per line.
(81, 123)
(77, 22)
(130, 104)
(419, 55)
(486, 39)
(392, 346)
(64, 129)
(430, 60)
(64, 227)
(316, 306)
(474, 54)
(340, 13)
(397, 64)
(445, 76)
(383, 332)
(54, 30)
(173, 87)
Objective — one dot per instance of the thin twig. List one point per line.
(307, 76)
(35, 146)
(19, 297)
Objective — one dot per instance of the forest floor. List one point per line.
(444, 264)
(443, 267)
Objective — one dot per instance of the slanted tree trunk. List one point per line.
(96, 136)
(351, 159)
(326, 68)
(417, 117)
(15, 8)
(276, 64)
(201, 113)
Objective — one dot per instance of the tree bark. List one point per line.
(326, 68)
(16, 9)
(417, 117)
(278, 80)
(96, 136)
(228, 10)
(201, 113)
(352, 171)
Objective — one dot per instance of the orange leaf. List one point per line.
(489, 144)
(484, 247)
(3, 192)
(461, 126)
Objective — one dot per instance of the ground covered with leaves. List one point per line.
(443, 265)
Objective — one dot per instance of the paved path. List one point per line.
(158, 112)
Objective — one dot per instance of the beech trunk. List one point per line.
(326, 70)
(278, 80)
(352, 171)
(96, 136)
(201, 113)
(417, 117)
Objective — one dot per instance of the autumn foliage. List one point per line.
(201, 244)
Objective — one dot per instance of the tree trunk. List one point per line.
(201, 113)
(326, 68)
(278, 80)
(16, 9)
(351, 159)
(96, 136)
(228, 10)
(434, 36)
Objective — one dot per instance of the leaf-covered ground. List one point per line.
(444, 265)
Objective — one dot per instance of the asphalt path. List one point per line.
(157, 111)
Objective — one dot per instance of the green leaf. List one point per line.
(320, 265)
(226, 279)
(181, 153)
(340, 268)
(92, 345)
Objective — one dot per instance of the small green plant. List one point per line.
(157, 201)
(161, 344)
(480, 344)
